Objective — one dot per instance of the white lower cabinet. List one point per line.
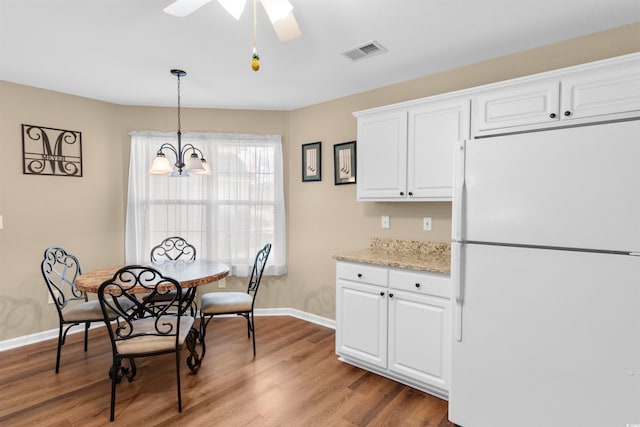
(396, 323)
(363, 331)
(418, 330)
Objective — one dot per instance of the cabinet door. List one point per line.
(361, 322)
(382, 156)
(612, 90)
(518, 105)
(434, 130)
(419, 331)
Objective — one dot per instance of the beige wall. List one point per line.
(83, 214)
(86, 215)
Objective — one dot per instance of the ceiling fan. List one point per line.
(280, 13)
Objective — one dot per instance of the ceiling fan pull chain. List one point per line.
(255, 58)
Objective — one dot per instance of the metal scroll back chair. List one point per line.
(240, 303)
(142, 327)
(173, 249)
(60, 270)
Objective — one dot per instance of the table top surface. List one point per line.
(188, 273)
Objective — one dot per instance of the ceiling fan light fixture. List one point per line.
(234, 7)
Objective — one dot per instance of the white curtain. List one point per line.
(228, 215)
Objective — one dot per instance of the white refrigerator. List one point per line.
(546, 276)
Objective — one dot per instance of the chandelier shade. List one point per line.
(189, 159)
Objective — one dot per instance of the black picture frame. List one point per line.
(344, 163)
(312, 162)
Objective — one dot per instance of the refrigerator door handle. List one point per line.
(458, 191)
(458, 286)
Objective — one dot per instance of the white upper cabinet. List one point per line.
(518, 105)
(597, 92)
(406, 150)
(434, 130)
(382, 155)
(406, 154)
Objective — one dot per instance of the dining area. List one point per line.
(147, 309)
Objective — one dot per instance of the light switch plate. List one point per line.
(426, 223)
(385, 222)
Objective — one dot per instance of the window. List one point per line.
(228, 215)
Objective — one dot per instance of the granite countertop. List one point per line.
(412, 254)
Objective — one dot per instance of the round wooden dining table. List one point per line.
(190, 274)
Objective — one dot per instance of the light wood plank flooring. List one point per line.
(295, 380)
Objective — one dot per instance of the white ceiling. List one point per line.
(121, 51)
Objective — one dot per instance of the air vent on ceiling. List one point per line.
(364, 51)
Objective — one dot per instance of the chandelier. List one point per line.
(189, 159)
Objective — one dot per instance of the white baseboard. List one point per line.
(309, 317)
(53, 333)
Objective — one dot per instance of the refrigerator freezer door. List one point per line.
(574, 188)
(550, 338)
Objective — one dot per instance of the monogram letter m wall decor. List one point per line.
(48, 151)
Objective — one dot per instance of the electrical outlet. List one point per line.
(221, 284)
(385, 222)
(1, 224)
(426, 223)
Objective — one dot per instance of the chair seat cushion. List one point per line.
(90, 311)
(155, 343)
(225, 302)
(86, 311)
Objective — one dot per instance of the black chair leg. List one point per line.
(178, 380)
(59, 349)
(86, 335)
(114, 379)
(253, 333)
(203, 333)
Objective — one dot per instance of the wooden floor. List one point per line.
(295, 380)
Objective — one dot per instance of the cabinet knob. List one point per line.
(552, 115)
(359, 275)
(417, 285)
(402, 193)
(390, 295)
(410, 193)
(381, 294)
(567, 113)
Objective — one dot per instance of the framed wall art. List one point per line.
(344, 163)
(312, 162)
(50, 151)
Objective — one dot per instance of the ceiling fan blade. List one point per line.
(287, 28)
(281, 16)
(182, 8)
(234, 7)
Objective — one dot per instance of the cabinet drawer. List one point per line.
(364, 273)
(422, 282)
